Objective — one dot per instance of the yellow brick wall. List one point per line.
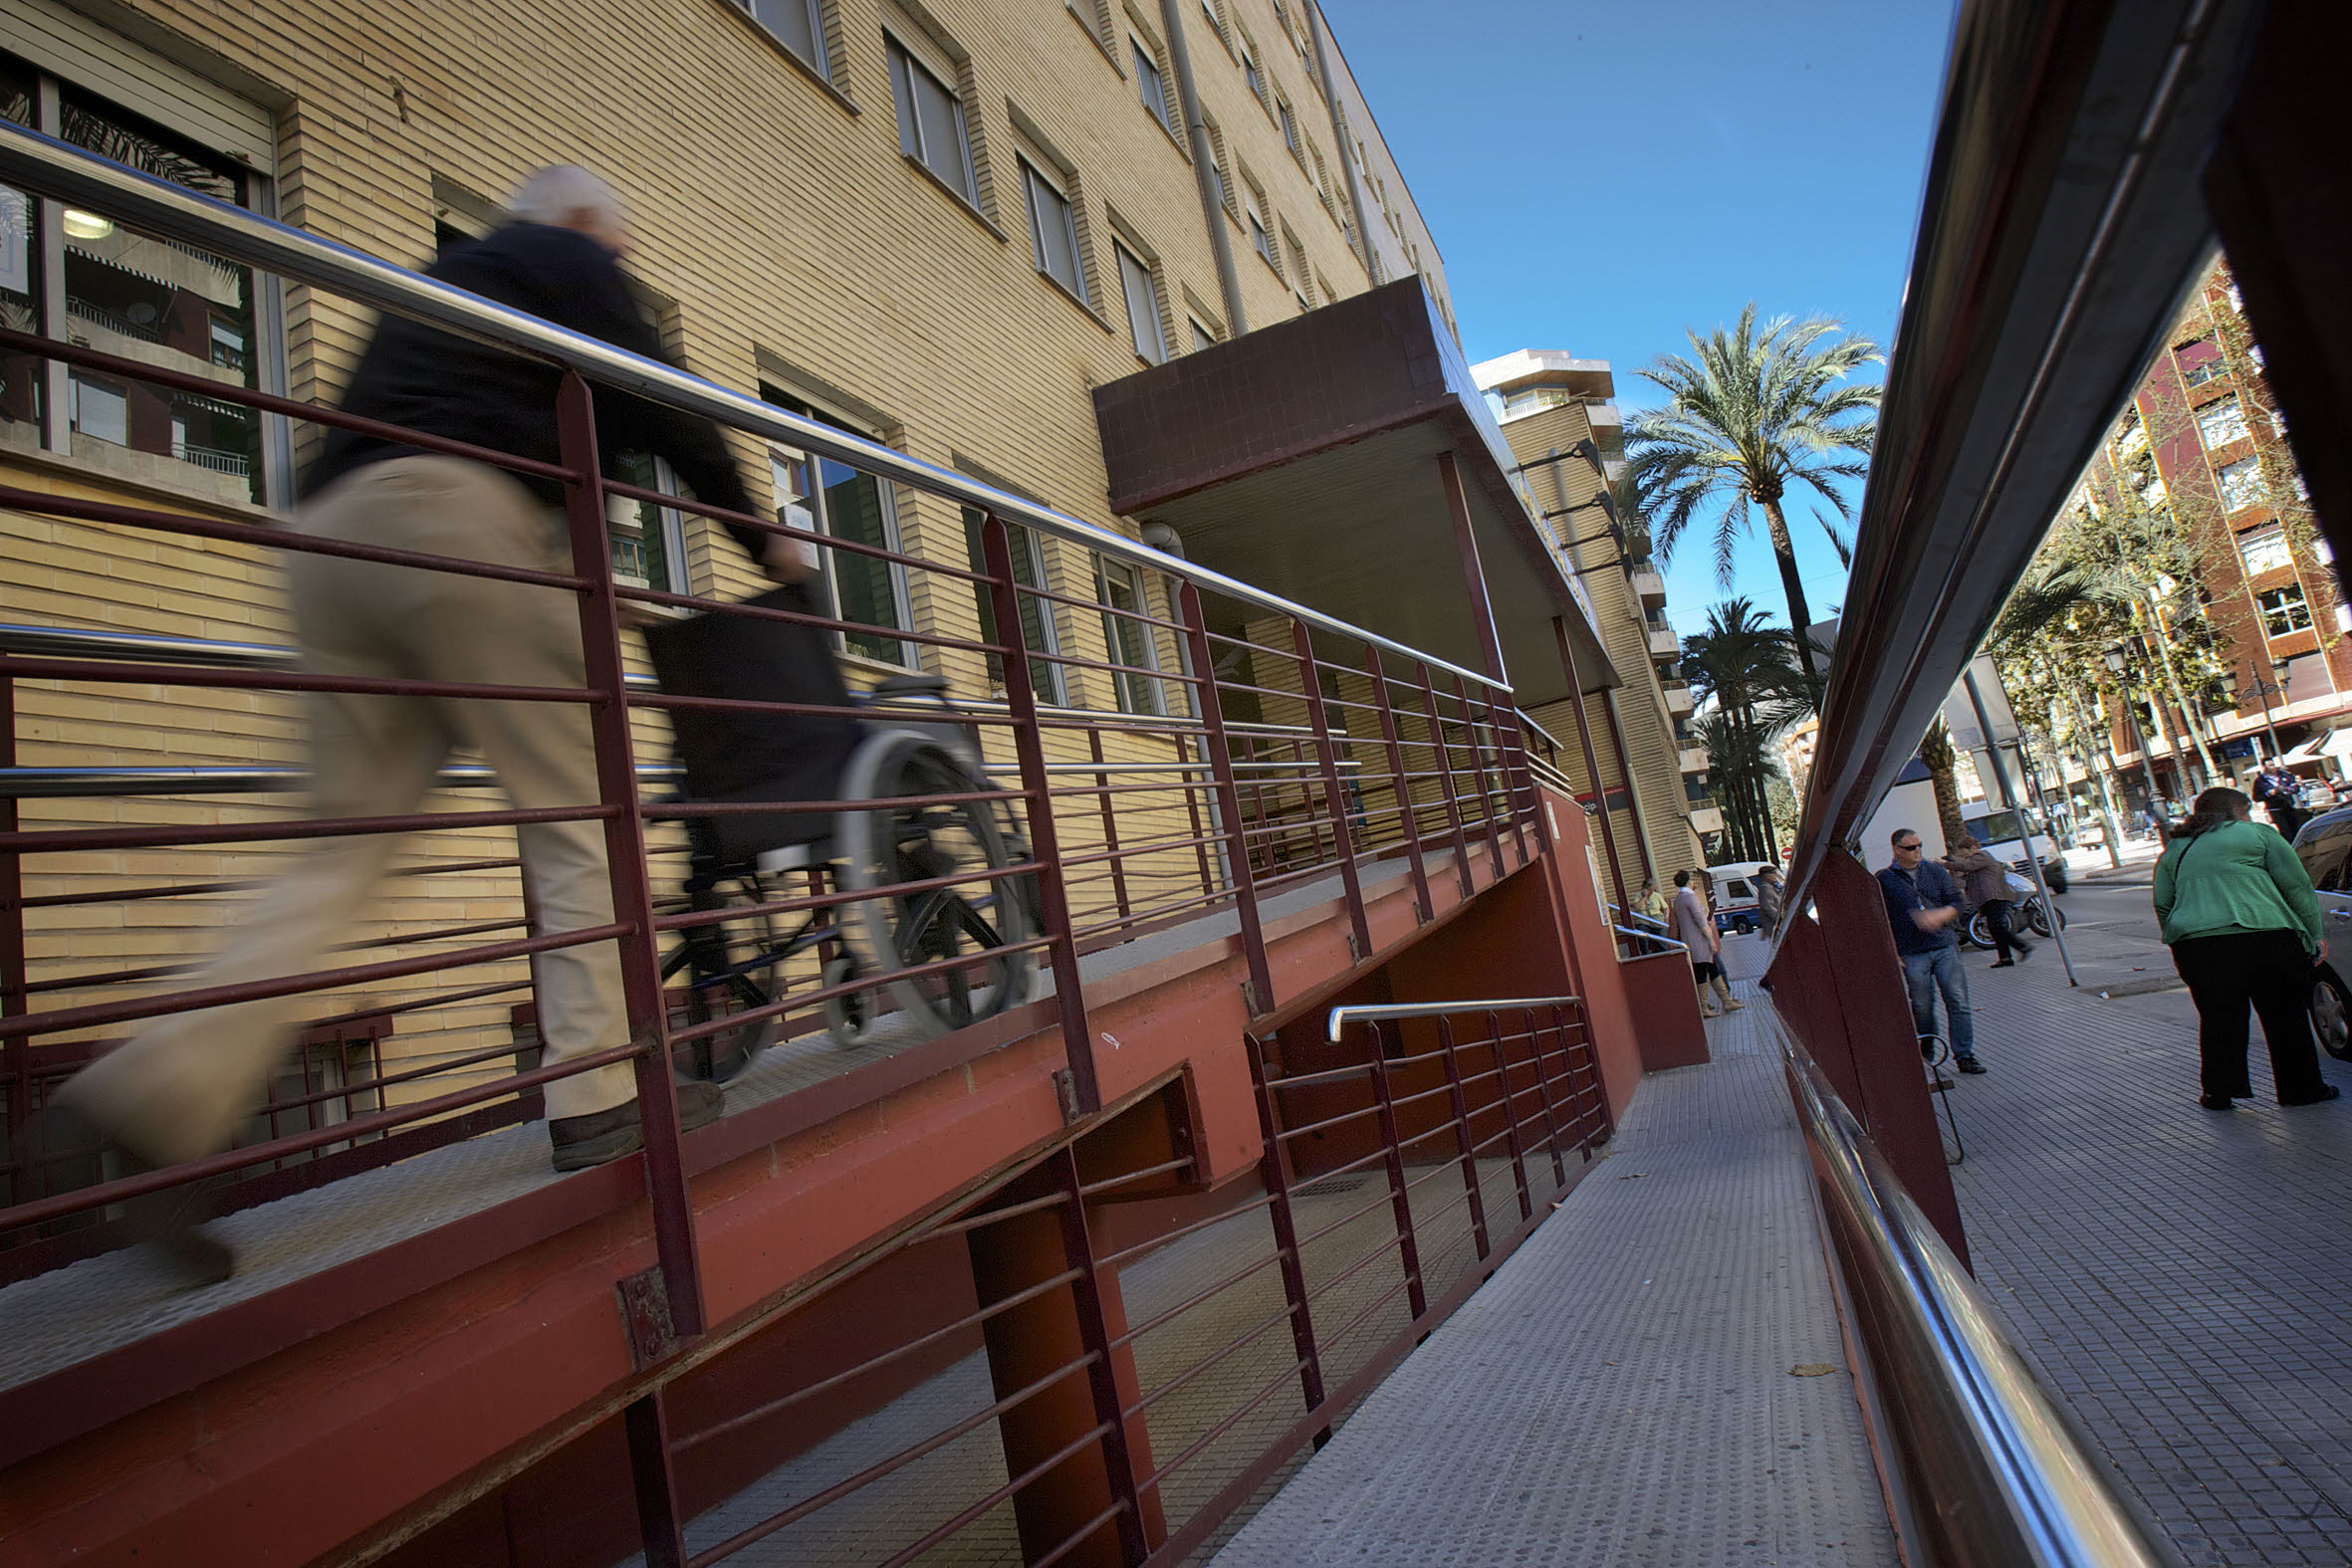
(781, 217)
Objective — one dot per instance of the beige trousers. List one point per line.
(178, 1088)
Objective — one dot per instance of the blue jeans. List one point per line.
(1924, 973)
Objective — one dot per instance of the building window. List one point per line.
(1120, 588)
(2284, 611)
(1143, 304)
(1054, 230)
(2222, 421)
(931, 125)
(158, 301)
(2199, 362)
(2133, 438)
(1149, 84)
(1254, 214)
(2240, 482)
(1036, 614)
(2263, 549)
(826, 497)
(1290, 123)
(1249, 75)
(1297, 272)
(102, 409)
(1201, 337)
(649, 542)
(796, 24)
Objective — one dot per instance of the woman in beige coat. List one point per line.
(1690, 922)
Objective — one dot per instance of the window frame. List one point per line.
(819, 518)
(268, 472)
(668, 524)
(2222, 481)
(2266, 536)
(2290, 599)
(1032, 178)
(1154, 700)
(1151, 82)
(2223, 410)
(1126, 256)
(1046, 676)
(820, 60)
(905, 63)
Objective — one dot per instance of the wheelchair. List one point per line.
(724, 969)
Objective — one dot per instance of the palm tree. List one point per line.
(1744, 666)
(1755, 410)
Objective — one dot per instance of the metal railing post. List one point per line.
(1102, 1377)
(1461, 1134)
(1110, 826)
(660, 1521)
(13, 975)
(1318, 714)
(1551, 1142)
(1510, 1139)
(1407, 814)
(1220, 753)
(1478, 764)
(1400, 1196)
(1029, 745)
(1277, 1181)
(624, 856)
(1445, 779)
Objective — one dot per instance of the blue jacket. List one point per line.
(1928, 887)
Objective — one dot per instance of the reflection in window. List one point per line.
(2240, 482)
(2222, 421)
(1053, 231)
(648, 541)
(1143, 304)
(2199, 362)
(1120, 588)
(794, 23)
(1036, 618)
(2263, 549)
(834, 498)
(931, 125)
(154, 301)
(2284, 611)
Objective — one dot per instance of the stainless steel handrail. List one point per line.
(82, 180)
(2005, 1475)
(1665, 944)
(1341, 1017)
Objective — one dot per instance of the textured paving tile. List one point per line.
(1620, 1392)
(2180, 1274)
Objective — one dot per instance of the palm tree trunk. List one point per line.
(1801, 616)
(1934, 750)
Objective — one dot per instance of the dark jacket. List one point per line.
(1981, 878)
(1930, 887)
(434, 381)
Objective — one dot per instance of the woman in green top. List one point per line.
(2244, 926)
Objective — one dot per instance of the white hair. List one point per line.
(555, 193)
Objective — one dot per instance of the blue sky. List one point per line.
(1600, 176)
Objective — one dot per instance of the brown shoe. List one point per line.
(601, 1137)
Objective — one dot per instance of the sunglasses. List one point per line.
(1914, 845)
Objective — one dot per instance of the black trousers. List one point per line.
(1999, 914)
(2270, 970)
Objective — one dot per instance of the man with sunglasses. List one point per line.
(1924, 908)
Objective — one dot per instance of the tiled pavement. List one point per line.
(2183, 1276)
(1655, 1380)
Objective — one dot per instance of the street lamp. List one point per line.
(2131, 724)
(2262, 690)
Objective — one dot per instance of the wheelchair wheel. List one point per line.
(852, 1016)
(885, 846)
(712, 992)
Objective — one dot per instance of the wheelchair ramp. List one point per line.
(1636, 1385)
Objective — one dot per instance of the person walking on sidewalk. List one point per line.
(1768, 898)
(1985, 884)
(2280, 791)
(2242, 920)
(1691, 923)
(177, 1089)
(1923, 907)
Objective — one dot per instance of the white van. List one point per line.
(2001, 834)
(1734, 896)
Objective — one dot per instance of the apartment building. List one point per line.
(1569, 440)
(939, 226)
(2204, 441)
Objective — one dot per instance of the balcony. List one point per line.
(1664, 643)
(1706, 819)
(1649, 586)
(1679, 701)
(1692, 759)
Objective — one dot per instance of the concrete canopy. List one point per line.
(1305, 457)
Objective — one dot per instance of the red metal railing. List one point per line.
(1186, 1396)
(1314, 755)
